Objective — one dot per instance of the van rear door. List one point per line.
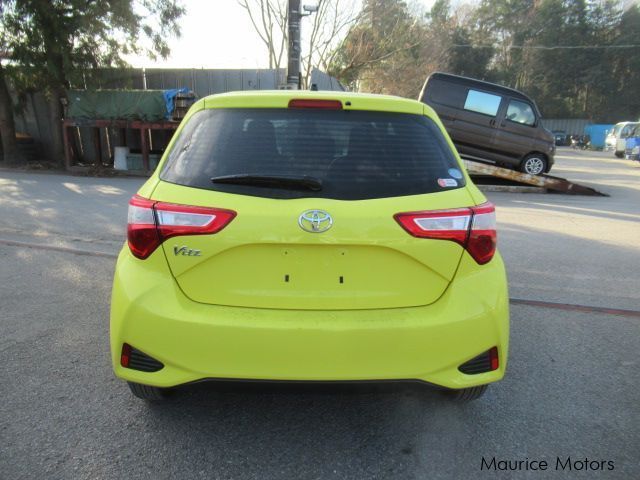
(469, 114)
(477, 123)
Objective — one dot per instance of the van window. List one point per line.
(446, 93)
(481, 102)
(520, 112)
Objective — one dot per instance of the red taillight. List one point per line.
(150, 223)
(142, 235)
(474, 228)
(314, 103)
(482, 236)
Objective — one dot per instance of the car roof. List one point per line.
(494, 87)
(281, 98)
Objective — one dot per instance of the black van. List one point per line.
(491, 122)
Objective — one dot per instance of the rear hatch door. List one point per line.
(369, 165)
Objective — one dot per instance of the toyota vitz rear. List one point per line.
(310, 236)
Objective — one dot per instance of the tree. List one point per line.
(507, 24)
(385, 41)
(10, 150)
(59, 43)
(327, 27)
(269, 20)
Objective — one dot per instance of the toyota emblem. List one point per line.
(315, 221)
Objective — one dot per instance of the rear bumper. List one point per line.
(197, 341)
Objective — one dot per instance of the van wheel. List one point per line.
(619, 154)
(534, 164)
(467, 394)
(149, 393)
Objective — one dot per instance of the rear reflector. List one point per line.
(135, 359)
(485, 362)
(312, 103)
(150, 223)
(474, 228)
(125, 356)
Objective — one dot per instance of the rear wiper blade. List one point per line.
(282, 181)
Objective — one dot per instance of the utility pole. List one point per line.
(295, 14)
(293, 26)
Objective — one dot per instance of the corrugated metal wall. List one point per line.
(210, 81)
(207, 82)
(572, 126)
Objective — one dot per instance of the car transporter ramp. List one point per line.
(515, 181)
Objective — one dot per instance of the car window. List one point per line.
(520, 112)
(482, 102)
(616, 130)
(355, 154)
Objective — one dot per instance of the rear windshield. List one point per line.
(353, 154)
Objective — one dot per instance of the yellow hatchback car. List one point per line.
(310, 236)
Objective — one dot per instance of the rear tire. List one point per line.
(534, 164)
(148, 393)
(467, 394)
(619, 154)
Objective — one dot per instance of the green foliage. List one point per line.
(577, 58)
(385, 40)
(58, 43)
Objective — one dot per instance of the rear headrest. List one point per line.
(263, 133)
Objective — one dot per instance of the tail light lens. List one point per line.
(315, 103)
(142, 235)
(150, 223)
(474, 228)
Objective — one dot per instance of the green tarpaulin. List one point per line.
(146, 105)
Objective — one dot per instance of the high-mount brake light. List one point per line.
(151, 222)
(315, 103)
(474, 228)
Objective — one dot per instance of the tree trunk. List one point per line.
(55, 47)
(55, 120)
(7, 126)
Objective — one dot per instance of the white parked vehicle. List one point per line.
(616, 139)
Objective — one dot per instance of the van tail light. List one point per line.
(151, 222)
(474, 228)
